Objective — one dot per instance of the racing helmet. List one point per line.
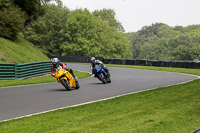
(55, 62)
(93, 59)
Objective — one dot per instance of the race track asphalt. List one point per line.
(25, 100)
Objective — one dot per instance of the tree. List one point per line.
(155, 50)
(12, 19)
(47, 31)
(46, 2)
(109, 16)
(32, 8)
(161, 42)
(88, 35)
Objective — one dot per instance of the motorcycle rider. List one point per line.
(56, 63)
(98, 62)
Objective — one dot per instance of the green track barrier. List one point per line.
(26, 70)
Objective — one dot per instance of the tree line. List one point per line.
(162, 42)
(57, 31)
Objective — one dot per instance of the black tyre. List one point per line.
(101, 78)
(66, 84)
(108, 80)
(77, 85)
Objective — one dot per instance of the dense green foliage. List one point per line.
(78, 33)
(19, 51)
(15, 14)
(88, 35)
(47, 31)
(32, 8)
(162, 42)
(12, 19)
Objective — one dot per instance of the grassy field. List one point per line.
(38, 80)
(174, 109)
(19, 51)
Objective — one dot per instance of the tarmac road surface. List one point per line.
(25, 100)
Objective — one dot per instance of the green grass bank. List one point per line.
(19, 51)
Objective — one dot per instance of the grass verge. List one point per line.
(19, 51)
(38, 80)
(169, 69)
(174, 109)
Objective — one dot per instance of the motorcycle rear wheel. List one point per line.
(66, 84)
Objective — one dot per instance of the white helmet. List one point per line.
(92, 58)
(55, 61)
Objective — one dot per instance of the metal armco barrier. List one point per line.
(159, 63)
(7, 70)
(75, 59)
(22, 71)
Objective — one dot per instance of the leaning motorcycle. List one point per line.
(101, 74)
(66, 79)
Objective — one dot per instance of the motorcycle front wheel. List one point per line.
(108, 80)
(66, 84)
(77, 85)
(101, 78)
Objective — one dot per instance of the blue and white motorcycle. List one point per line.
(101, 74)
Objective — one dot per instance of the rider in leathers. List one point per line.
(56, 63)
(98, 62)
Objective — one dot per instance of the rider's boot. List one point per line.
(76, 79)
(72, 73)
(107, 71)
